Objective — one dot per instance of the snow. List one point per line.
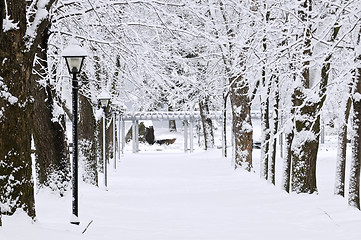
(175, 195)
(104, 95)
(74, 49)
(8, 24)
(357, 97)
(147, 123)
(4, 93)
(41, 14)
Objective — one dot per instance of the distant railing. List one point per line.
(216, 115)
(189, 118)
(169, 115)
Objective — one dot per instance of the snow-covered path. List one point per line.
(181, 196)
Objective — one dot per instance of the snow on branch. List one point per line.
(8, 24)
(149, 2)
(4, 93)
(35, 14)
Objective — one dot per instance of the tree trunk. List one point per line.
(305, 144)
(242, 124)
(109, 135)
(88, 141)
(342, 135)
(52, 162)
(307, 130)
(225, 96)
(206, 124)
(172, 124)
(289, 135)
(307, 119)
(272, 163)
(354, 187)
(341, 152)
(266, 133)
(108, 139)
(16, 181)
(287, 162)
(265, 100)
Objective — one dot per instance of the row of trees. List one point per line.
(287, 56)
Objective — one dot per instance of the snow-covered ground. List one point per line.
(171, 195)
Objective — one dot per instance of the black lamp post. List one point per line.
(74, 56)
(103, 99)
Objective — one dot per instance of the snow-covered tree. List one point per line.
(21, 34)
(354, 186)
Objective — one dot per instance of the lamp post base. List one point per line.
(74, 220)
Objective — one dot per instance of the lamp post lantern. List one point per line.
(104, 98)
(74, 56)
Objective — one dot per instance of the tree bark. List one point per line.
(305, 145)
(225, 96)
(108, 139)
(307, 117)
(52, 162)
(273, 144)
(265, 125)
(17, 53)
(242, 124)
(289, 135)
(16, 182)
(307, 121)
(172, 124)
(354, 185)
(265, 101)
(287, 162)
(88, 141)
(341, 152)
(206, 124)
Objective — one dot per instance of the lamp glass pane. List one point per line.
(104, 102)
(74, 64)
